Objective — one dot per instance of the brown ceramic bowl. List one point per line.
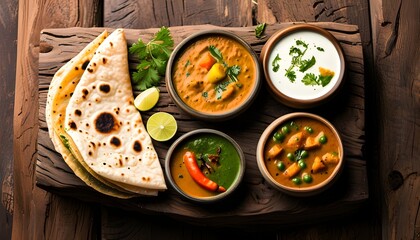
(186, 86)
(300, 85)
(202, 142)
(307, 178)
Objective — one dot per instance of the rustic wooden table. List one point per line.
(389, 33)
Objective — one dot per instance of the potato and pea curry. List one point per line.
(302, 153)
(214, 74)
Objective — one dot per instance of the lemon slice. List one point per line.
(161, 126)
(147, 99)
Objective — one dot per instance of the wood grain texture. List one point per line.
(396, 36)
(142, 14)
(255, 203)
(8, 27)
(32, 205)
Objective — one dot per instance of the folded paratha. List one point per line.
(61, 88)
(105, 126)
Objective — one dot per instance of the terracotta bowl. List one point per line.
(174, 90)
(180, 177)
(290, 78)
(282, 178)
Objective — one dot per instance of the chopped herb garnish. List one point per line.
(320, 49)
(153, 58)
(310, 79)
(325, 80)
(188, 74)
(306, 64)
(232, 72)
(259, 30)
(205, 94)
(291, 75)
(275, 63)
(187, 63)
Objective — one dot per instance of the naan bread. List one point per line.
(61, 87)
(106, 127)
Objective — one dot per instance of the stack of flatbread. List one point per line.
(94, 125)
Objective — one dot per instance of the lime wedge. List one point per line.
(161, 126)
(147, 99)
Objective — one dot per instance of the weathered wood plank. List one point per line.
(36, 212)
(256, 202)
(143, 14)
(8, 27)
(396, 36)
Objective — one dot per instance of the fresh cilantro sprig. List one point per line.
(259, 30)
(153, 57)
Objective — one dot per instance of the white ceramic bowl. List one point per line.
(306, 88)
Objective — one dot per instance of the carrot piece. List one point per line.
(206, 61)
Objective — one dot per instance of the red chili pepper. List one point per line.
(195, 172)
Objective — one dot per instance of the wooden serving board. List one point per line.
(255, 202)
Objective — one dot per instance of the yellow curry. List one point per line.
(214, 75)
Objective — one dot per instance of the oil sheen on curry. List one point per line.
(302, 153)
(214, 74)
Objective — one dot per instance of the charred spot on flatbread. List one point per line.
(85, 64)
(105, 88)
(137, 146)
(115, 142)
(105, 123)
(72, 125)
(78, 112)
(85, 92)
(104, 60)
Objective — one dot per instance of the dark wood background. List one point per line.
(390, 36)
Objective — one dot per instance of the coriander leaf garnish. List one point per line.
(275, 63)
(153, 58)
(310, 79)
(306, 64)
(259, 30)
(232, 72)
(291, 75)
(320, 49)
